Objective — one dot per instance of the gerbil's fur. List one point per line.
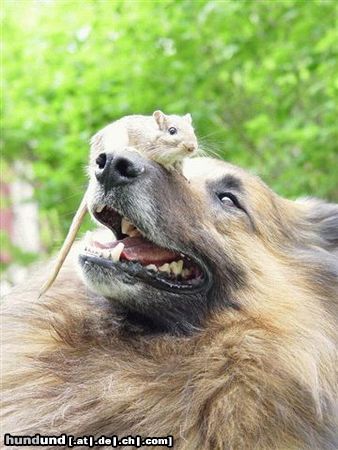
(151, 136)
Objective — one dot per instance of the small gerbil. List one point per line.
(166, 139)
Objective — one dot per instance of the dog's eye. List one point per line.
(172, 130)
(228, 199)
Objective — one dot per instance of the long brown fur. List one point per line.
(263, 376)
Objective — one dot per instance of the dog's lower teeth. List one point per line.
(116, 252)
(113, 254)
(186, 273)
(164, 268)
(105, 254)
(176, 267)
(173, 270)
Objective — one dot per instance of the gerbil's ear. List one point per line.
(188, 118)
(160, 118)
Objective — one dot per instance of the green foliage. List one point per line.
(259, 77)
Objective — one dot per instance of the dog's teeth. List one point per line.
(179, 266)
(116, 252)
(152, 267)
(99, 208)
(176, 267)
(106, 254)
(164, 268)
(173, 267)
(126, 226)
(134, 232)
(186, 273)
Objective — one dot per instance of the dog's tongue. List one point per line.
(138, 248)
(141, 250)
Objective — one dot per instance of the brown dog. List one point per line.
(234, 348)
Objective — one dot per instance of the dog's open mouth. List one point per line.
(128, 249)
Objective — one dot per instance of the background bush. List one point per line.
(259, 77)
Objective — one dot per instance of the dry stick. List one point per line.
(74, 228)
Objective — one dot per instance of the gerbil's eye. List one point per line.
(228, 199)
(172, 130)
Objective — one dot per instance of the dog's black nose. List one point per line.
(113, 170)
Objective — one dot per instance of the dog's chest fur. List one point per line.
(73, 372)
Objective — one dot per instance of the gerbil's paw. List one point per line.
(169, 167)
(135, 150)
(173, 167)
(178, 166)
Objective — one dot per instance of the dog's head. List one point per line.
(217, 238)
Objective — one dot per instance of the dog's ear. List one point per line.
(161, 119)
(321, 219)
(188, 118)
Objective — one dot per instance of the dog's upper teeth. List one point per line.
(126, 226)
(152, 267)
(115, 253)
(99, 208)
(134, 232)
